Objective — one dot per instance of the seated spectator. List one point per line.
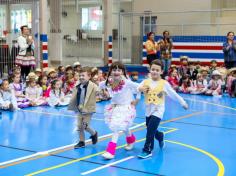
(199, 85)
(185, 84)
(214, 86)
(7, 97)
(183, 69)
(56, 96)
(231, 82)
(77, 67)
(213, 66)
(192, 71)
(173, 79)
(34, 93)
(18, 89)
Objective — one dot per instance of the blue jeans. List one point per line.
(152, 123)
(166, 65)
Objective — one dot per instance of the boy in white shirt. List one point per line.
(155, 90)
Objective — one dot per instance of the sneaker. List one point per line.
(144, 155)
(129, 146)
(161, 140)
(94, 137)
(108, 155)
(80, 144)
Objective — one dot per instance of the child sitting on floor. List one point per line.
(7, 97)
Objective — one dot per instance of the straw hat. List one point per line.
(38, 70)
(50, 70)
(76, 64)
(31, 75)
(184, 58)
(204, 69)
(216, 73)
(232, 70)
(222, 71)
(69, 67)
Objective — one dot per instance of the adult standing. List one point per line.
(25, 58)
(166, 45)
(152, 47)
(229, 49)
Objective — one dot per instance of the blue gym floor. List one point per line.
(200, 141)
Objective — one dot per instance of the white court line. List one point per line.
(107, 165)
(48, 152)
(215, 104)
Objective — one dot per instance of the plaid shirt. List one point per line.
(166, 48)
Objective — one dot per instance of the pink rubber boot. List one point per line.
(130, 142)
(110, 151)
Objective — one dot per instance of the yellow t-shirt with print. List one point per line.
(155, 95)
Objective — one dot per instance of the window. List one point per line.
(149, 24)
(20, 14)
(20, 18)
(2, 20)
(92, 18)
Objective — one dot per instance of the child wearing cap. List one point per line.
(52, 75)
(38, 72)
(183, 66)
(77, 66)
(214, 86)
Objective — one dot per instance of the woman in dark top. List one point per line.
(229, 49)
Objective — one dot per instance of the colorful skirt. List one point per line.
(119, 117)
(25, 60)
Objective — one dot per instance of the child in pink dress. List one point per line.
(119, 115)
(17, 88)
(34, 94)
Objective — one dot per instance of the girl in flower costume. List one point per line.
(119, 115)
(17, 87)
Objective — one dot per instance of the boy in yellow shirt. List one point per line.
(155, 90)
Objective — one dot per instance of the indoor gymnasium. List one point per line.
(117, 87)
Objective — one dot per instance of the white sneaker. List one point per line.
(129, 146)
(107, 155)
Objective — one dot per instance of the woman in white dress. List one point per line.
(25, 57)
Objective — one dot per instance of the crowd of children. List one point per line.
(192, 78)
(55, 87)
(45, 87)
